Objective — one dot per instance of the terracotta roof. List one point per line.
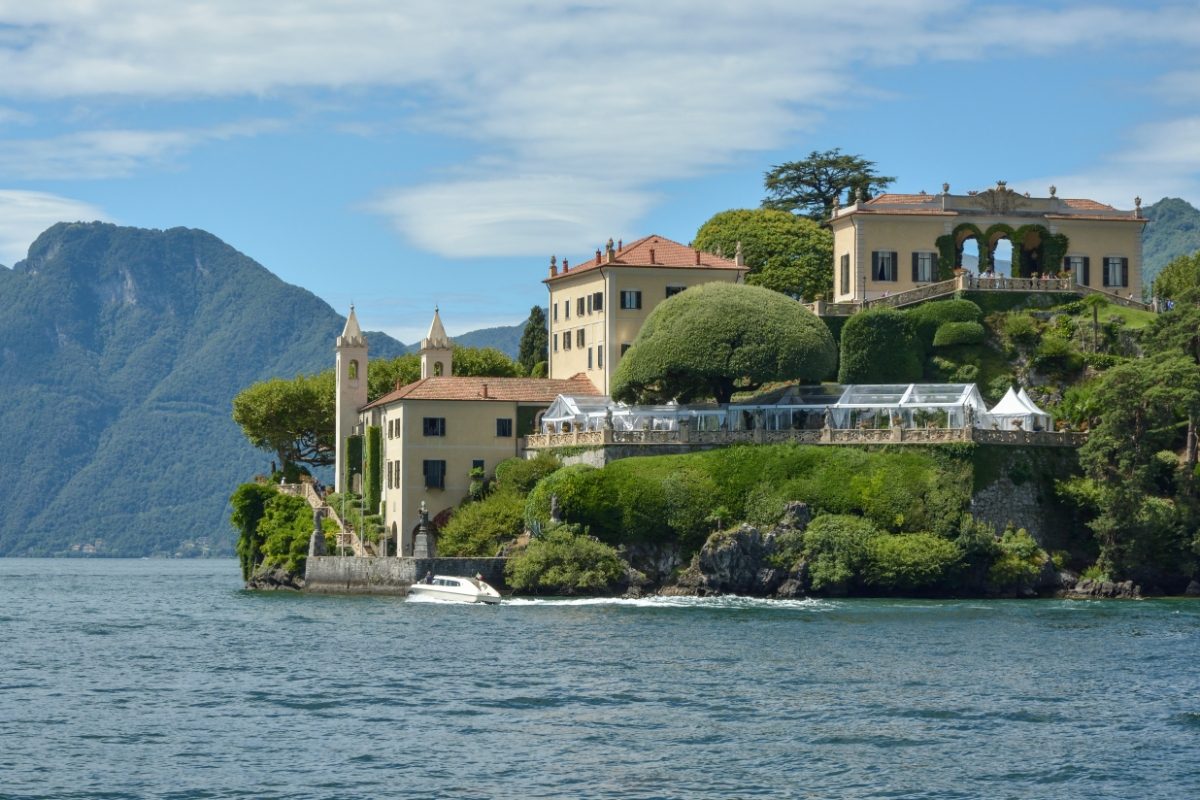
(1086, 205)
(892, 199)
(1101, 217)
(522, 390)
(667, 253)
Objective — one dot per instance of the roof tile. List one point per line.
(667, 253)
(527, 390)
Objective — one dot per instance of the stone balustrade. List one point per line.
(836, 436)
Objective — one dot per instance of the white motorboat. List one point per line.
(456, 589)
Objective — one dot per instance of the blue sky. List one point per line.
(405, 154)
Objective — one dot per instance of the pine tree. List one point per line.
(535, 341)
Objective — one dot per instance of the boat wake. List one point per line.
(723, 602)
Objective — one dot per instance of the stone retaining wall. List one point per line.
(390, 575)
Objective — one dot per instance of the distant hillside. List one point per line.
(505, 338)
(1173, 231)
(120, 352)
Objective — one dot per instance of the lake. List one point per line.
(164, 679)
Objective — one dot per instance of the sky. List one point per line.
(402, 154)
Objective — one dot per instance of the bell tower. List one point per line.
(351, 392)
(437, 351)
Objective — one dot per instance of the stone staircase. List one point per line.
(346, 536)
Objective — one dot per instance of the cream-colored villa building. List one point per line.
(435, 431)
(598, 307)
(898, 242)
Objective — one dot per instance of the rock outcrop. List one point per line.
(745, 560)
(1087, 588)
(275, 578)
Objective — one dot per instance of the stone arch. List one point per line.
(438, 369)
(352, 369)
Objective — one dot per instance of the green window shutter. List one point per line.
(895, 266)
(914, 268)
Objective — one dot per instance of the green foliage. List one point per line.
(718, 338)
(479, 528)
(837, 548)
(926, 318)
(785, 253)
(535, 341)
(1020, 329)
(958, 333)
(1057, 356)
(522, 474)
(285, 529)
(483, 362)
(879, 347)
(562, 562)
(291, 418)
(540, 370)
(810, 186)
(909, 562)
(1018, 563)
(354, 460)
(373, 468)
(385, 375)
(249, 503)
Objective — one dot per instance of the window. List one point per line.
(589, 358)
(579, 307)
(1080, 267)
(922, 267)
(600, 356)
(556, 342)
(631, 299)
(1116, 271)
(352, 370)
(566, 340)
(624, 347)
(476, 464)
(567, 309)
(845, 273)
(674, 290)
(435, 474)
(883, 265)
(579, 338)
(598, 301)
(435, 426)
(504, 427)
(555, 310)
(389, 474)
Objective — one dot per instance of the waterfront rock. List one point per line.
(1113, 590)
(1193, 589)
(275, 578)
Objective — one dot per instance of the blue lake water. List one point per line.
(153, 679)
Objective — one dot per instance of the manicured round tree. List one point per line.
(880, 347)
(784, 252)
(718, 338)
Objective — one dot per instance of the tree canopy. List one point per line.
(785, 253)
(483, 362)
(1179, 276)
(291, 418)
(535, 341)
(718, 338)
(809, 187)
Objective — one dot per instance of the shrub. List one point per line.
(478, 529)
(1018, 563)
(879, 347)
(285, 528)
(837, 546)
(1020, 329)
(522, 474)
(956, 333)
(564, 562)
(909, 562)
(927, 318)
(1056, 355)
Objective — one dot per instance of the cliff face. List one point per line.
(121, 350)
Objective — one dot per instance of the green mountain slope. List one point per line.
(1173, 231)
(120, 352)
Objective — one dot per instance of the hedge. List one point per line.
(956, 333)
(927, 318)
(880, 347)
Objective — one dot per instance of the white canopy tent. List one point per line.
(914, 405)
(1015, 412)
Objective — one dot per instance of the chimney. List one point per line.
(553, 266)
(566, 267)
(697, 258)
(652, 255)
(597, 256)
(609, 255)
(620, 244)
(485, 392)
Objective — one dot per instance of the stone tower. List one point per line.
(436, 350)
(351, 391)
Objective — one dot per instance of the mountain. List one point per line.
(1173, 231)
(505, 338)
(120, 352)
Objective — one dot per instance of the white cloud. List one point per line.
(24, 215)
(578, 108)
(110, 153)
